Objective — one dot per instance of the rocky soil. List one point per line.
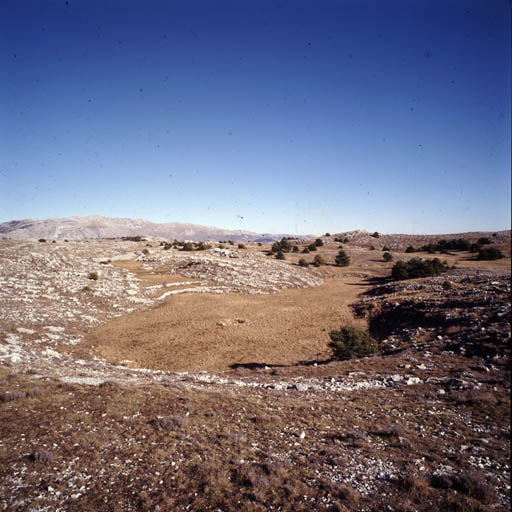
(423, 425)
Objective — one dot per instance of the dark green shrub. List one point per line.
(483, 241)
(280, 255)
(410, 249)
(319, 242)
(42, 240)
(303, 263)
(387, 256)
(93, 275)
(327, 234)
(454, 244)
(137, 238)
(295, 248)
(318, 261)
(399, 271)
(342, 259)
(305, 250)
(351, 342)
(187, 246)
(241, 246)
(416, 267)
(285, 245)
(385, 248)
(312, 247)
(489, 253)
(376, 234)
(276, 247)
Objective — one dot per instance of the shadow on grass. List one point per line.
(255, 366)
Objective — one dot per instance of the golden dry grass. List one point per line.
(186, 331)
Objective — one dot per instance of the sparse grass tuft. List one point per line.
(471, 484)
(10, 396)
(42, 456)
(169, 422)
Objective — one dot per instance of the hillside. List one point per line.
(98, 226)
(135, 375)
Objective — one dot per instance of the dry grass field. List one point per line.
(118, 395)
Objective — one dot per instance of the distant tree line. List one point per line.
(459, 244)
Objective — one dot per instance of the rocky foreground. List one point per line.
(423, 425)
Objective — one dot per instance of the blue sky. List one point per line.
(286, 116)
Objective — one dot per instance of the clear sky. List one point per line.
(270, 116)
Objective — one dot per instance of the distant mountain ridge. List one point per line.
(99, 226)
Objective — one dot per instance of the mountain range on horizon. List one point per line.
(99, 226)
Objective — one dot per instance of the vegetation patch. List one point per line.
(417, 267)
(489, 253)
(350, 342)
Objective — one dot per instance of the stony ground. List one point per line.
(423, 425)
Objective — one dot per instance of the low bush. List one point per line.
(489, 253)
(42, 240)
(303, 263)
(280, 256)
(241, 246)
(387, 256)
(351, 342)
(305, 250)
(342, 259)
(318, 261)
(416, 267)
(93, 276)
(319, 242)
(136, 238)
(285, 245)
(276, 247)
(312, 247)
(295, 248)
(376, 234)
